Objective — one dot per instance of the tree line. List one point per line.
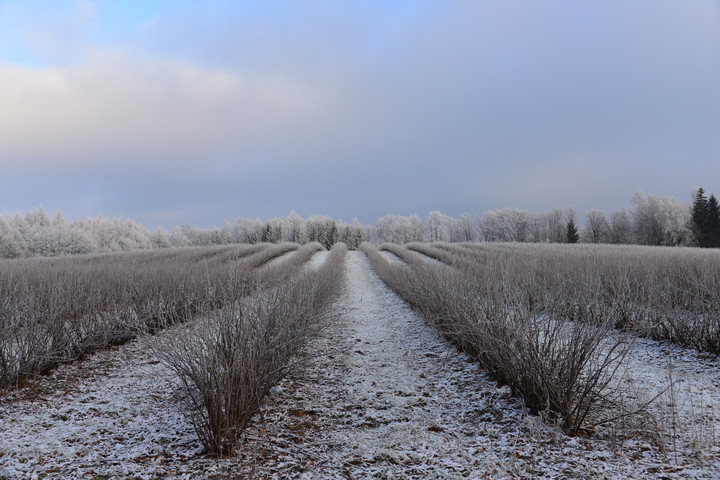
(652, 220)
(36, 234)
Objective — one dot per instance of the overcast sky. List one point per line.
(172, 112)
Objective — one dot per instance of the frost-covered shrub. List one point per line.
(228, 360)
(658, 292)
(494, 310)
(54, 310)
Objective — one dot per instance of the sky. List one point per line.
(172, 112)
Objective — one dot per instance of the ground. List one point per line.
(378, 394)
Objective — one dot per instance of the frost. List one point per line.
(378, 394)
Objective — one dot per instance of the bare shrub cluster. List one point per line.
(495, 308)
(228, 359)
(55, 310)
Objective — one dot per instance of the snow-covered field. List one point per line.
(113, 414)
(684, 387)
(377, 395)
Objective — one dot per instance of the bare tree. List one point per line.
(556, 225)
(597, 229)
(438, 225)
(399, 229)
(661, 221)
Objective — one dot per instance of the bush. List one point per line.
(228, 360)
(55, 310)
(494, 311)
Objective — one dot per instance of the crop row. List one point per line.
(667, 294)
(55, 310)
(518, 328)
(230, 358)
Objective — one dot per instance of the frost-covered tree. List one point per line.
(160, 238)
(12, 245)
(438, 225)
(38, 217)
(36, 233)
(506, 225)
(295, 229)
(321, 228)
(132, 235)
(178, 238)
(462, 229)
(352, 234)
(399, 229)
(556, 225)
(414, 228)
(537, 227)
(274, 230)
(78, 240)
(247, 230)
(226, 233)
(21, 229)
(661, 221)
(620, 227)
(597, 228)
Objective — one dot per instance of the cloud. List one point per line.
(260, 108)
(112, 107)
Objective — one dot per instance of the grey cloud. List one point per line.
(356, 110)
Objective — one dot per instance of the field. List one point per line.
(437, 360)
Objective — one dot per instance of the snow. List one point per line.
(385, 397)
(686, 387)
(113, 414)
(378, 394)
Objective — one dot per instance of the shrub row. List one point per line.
(55, 310)
(559, 365)
(228, 360)
(663, 293)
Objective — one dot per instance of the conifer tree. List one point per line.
(572, 235)
(267, 234)
(699, 219)
(712, 223)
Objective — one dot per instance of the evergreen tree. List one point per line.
(330, 238)
(572, 235)
(699, 219)
(712, 223)
(267, 234)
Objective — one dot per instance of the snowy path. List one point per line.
(378, 394)
(687, 414)
(385, 397)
